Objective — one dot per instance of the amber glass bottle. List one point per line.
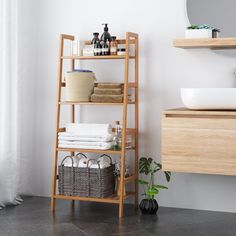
(113, 46)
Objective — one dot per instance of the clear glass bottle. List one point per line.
(118, 136)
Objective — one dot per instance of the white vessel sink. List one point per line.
(209, 98)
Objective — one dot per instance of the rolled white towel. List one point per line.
(68, 162)
(103, 163)
(83, 162)
(85, 129)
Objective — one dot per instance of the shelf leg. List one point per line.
(122, 183)
(53, 203)
(121, 210)
(54, 180)
(136, 159)
(124, 124)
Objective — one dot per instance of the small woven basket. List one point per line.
(86, 181)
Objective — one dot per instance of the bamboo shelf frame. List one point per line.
(131, 38)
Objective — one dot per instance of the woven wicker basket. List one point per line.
(86, 181)
(79, 85)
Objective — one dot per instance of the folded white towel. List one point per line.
(89, 130)
(103, 146)
(84, 143)
(76, 137)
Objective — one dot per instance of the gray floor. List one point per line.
(34, 218)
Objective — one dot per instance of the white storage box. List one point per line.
(198, 33)
(77, 47)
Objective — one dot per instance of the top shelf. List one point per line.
(214, 43)
(110, 57)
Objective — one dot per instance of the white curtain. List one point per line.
(9, 104)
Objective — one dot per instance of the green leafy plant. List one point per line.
(203, 27)
(149, 168)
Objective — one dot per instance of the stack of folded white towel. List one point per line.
(86, 136)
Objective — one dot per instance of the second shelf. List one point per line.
(95, 103)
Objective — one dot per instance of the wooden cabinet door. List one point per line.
(199, 144)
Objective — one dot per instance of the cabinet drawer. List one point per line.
(199, 144)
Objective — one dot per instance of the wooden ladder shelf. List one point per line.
(131, 38)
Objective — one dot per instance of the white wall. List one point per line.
(27, 80)
(163, 71)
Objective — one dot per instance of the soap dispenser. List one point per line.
(106, 35)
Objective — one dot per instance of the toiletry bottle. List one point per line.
(118, 136)
(106, 38)
(105, 48)
(95, 38)
(97, 49)
(94, 42)
(113, 46)
(106, 35)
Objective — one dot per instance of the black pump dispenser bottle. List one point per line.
(106, 35)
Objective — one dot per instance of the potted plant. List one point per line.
(148, 167)
(201, 31)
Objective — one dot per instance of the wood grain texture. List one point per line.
(215, 43)
(199, 143)
(185, 111)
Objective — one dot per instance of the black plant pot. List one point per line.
(149, 206)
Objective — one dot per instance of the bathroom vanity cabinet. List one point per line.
(199, 141)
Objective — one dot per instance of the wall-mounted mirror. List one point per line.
(217, 13)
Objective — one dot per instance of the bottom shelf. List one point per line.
(111, 199)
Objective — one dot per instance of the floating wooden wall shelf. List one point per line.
(216, 43)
